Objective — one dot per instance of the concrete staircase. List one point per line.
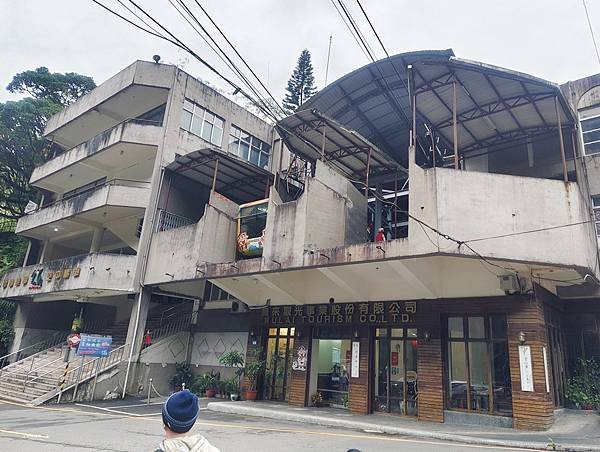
(35, 379)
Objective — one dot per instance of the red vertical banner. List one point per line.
(394, 358)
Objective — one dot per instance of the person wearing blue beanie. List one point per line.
(179, 413)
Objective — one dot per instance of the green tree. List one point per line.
(62, 89)
(22, 123)
(301, 85)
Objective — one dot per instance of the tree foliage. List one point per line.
(22, 125)
(62, 89)
(301, 85)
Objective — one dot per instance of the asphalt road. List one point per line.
(115, 427)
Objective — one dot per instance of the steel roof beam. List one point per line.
(507, 108)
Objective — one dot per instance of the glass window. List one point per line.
(248, 147)
(202, 122)
(455, 327)
(478, 365)
(590, 129)
(476, 328)
(596, 207)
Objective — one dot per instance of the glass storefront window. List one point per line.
(478, 364)
(280, 348)
(334, 364)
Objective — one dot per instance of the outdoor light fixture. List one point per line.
(55, 229)
(253, 339)
(380, 249)
(356, 334)
(169, 274)
(427, 336)
(522, 338)
(331, 300)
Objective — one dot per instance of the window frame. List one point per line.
(596, 211)
(199, 113)
(252, 143)
(583, 134)
(466, 340)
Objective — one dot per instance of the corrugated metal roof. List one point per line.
(494, 105)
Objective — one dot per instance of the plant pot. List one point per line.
(250, 395)
(587, 407)
(210, 393)
(234, 397)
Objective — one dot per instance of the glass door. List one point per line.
(280, 348)
(395, 386)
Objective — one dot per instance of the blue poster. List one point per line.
(94, 345)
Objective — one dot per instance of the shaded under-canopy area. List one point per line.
(493, 106)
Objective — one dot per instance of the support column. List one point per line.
(97, 240)
(19, 326)
(430, 365)
(358, 388)
(299, 379)
(532, 410)
(378, 207)
(46, 249)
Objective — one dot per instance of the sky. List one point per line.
(546, 38)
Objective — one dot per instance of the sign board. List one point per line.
(354, 368)
(301, 359)
(546, 369)
(526, 368)
(30, 207)
(94, 345)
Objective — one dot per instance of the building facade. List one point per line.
(418, 239)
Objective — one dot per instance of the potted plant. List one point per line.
(316, 399)
(253, 372)
(235, 360)
(183, 375)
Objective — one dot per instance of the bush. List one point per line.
(253, 371)
(583, 388)
(183, 374)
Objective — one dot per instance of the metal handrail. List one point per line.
(178, 310)
(168, 220)
(48, 343)
(42, 375)
(107, 361)
(183, 320)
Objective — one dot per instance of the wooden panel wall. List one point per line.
(430, 365)
(358, 389)
(531, 410)
(299, 379)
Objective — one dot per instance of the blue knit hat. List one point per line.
(180, 411)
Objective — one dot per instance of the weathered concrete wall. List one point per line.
(139, 72)
(112, 272)
(108, 195)
(130, 132)
(178, 251)
(472, 205)
(330, 213)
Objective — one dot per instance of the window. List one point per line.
(213, 293)
(249, 147)
(596, 205)
(478, 368)
(202, 122)
(590, 129)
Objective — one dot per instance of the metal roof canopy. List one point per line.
(494, 105)
(237, 179)
(314, 136)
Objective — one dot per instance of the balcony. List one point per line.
(114, 200)
(72, 278)
(138, 88)
(132, 142)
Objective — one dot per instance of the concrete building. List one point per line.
(418, 239)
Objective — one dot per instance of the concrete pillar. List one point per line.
(19, 325)
(46, 250)
(97, 240)
(135, 335)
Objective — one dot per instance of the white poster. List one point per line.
(526, 368)
(355, 359)
(546, 369)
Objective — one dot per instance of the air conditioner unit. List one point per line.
(238, 307)
(509, 284)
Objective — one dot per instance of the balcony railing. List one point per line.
(168, 220)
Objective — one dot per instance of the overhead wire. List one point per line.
(587, 15)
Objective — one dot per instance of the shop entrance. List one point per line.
(332, 377)
(280, 349)
(395, 387)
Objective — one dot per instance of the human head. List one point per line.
(180, 411)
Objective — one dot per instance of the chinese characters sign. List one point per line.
(381, 313)
(526, 368)
(93, 345)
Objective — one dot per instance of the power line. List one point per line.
(587, 15)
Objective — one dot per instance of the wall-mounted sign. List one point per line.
(35, 280)
(354, 368)
(546, 369)
(94, 345)
(301, 359)
(526, 368)
(379, 313)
